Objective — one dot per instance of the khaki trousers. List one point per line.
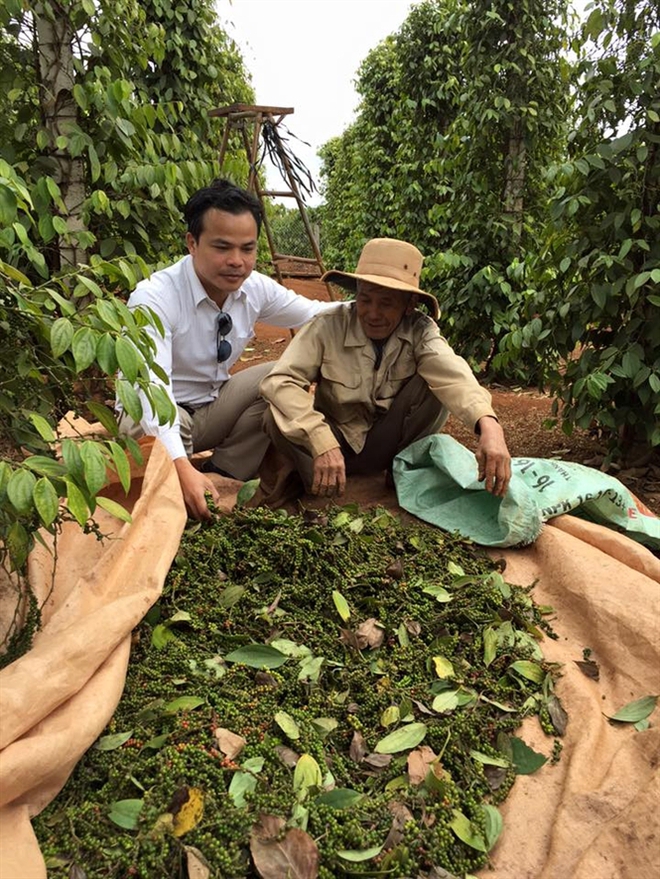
(230, 425)
(414, 413)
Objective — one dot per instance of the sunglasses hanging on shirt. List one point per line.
(223, 326)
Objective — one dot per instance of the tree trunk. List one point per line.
(515, 165)
(54, 37)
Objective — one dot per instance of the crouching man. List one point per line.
(384, 378)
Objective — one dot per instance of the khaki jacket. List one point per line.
(333, 351)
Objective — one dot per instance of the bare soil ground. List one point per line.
(522, 412)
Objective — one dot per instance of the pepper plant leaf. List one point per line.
(403, 739)
(257, 656)
(635, 711)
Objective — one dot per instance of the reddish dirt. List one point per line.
(522, 412)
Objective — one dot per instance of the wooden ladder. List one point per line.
(249, 120)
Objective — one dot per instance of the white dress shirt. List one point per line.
(188, 350)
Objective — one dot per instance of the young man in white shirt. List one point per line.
(208, 303)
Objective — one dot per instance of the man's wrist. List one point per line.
(487, 422)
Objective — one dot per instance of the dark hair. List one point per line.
(224, 196)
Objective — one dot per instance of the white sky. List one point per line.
(305, 54)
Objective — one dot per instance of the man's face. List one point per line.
(380, 310)
(225, 253)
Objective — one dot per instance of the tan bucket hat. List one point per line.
(391, 263)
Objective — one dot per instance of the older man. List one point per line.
(208, 303)
(384, 378)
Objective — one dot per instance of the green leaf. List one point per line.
(445, 701)
(83, 346)
(43, 427)
(257, 656)
(94, 164)
(356, 525)
(490, 645)
(125, 813)
(245, 782)
(112, 742)
(487, 760)
(61, 336)
(465, 831)
(114, 508)
(287, 724)
(94, 466)
(231, 595)
(525, 759)
(306, 775)
(183, 703)
(402, 739)
(18, 544)
(339, 798)
(324, 725)
(356, 856)
(494, 824)
(529, 670)
(443, 667)
(157, 742)
(46, 501)
(247, 491)
(122, 465)
(105, 416)
(341, 605)
(105, 354)
(128, 359)
(129, 399)
(635, 711)
(20, 489)
(162, 635)
(310, 668)
(438, 592)
(107, 313)
(75, 501)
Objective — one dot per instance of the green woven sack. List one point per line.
(436, 480)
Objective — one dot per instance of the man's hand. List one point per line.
(329, 473)
(194, 484)
(493, 457)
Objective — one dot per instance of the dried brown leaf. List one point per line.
(422, 707)
(350, 639)
(589, 668)
(230, 743)
(196, 863)
(370, 633)
(358, 747)
(288, 756)
(292, 856)
(414, 628)
(266, 679)
(495, 776)
(419, 762)
(395, 570)
(557, 714)
(401, 814)
(378, 761)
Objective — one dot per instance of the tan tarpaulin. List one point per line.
(594, 815)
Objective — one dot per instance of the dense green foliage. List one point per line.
(598, 271)
(357, 681)
(137, 81)
(460, 111)
(531, 185)
(104, 133)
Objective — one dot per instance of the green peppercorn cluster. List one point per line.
(258, 577)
